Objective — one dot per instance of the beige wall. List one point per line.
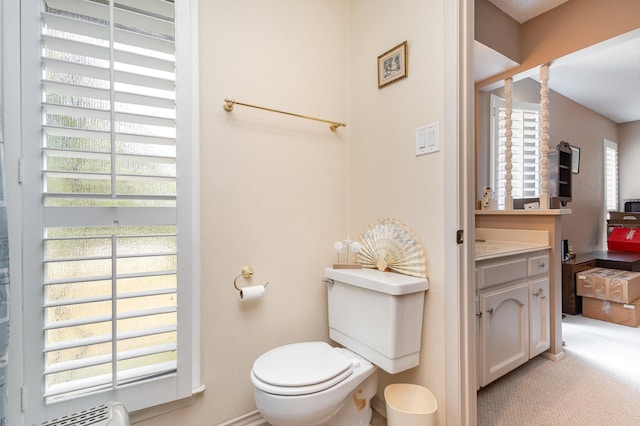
(629, 158)
(386, 178)
(273, 187)
(278, 191)
(496, 29)
(573, 123)
(581, 127)
(570, 27)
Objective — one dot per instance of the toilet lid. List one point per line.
(303, 365)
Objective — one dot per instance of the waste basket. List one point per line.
(410, 405)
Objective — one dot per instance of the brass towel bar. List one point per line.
(333, 125)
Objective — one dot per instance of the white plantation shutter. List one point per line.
(115, 311)
(525, 149)
(611, 175)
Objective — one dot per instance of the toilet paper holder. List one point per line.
(246, 273)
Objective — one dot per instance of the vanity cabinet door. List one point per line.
(504, 331)
(539, 326)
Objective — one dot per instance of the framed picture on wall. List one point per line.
(392, 65)
(575, 160)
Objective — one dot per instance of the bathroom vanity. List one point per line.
(543, 220)
(512, 299)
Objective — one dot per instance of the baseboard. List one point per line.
(553, 357)
(255, 419)
(379, 406)
(251, 419)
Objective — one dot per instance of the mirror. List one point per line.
(591, 99)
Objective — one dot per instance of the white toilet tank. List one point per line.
(377, 315)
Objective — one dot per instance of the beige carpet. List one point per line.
(597, 383)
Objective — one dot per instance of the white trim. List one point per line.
(105, 216)
(458, 165)
(379, 405)
(11, 107)
(255, 419)
(31, 209)
(158, 410)
(191, 47)
(612, 145)
(188, 384)
(251, 419)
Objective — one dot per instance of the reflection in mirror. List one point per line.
(591, 98)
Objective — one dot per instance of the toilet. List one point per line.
(377, 318)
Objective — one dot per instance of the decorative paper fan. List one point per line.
(388, 244)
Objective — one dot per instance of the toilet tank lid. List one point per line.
(373, 279)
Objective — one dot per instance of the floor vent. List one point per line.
(109, 414)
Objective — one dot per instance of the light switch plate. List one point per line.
(428, 139)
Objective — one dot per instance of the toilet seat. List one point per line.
(300, 368)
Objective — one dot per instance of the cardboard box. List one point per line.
(624, 239)
(614, 285)
(605, 310)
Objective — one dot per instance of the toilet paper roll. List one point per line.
(250, 293)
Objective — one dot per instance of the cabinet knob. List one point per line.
(490, 311)
(479, 314)
(541, 265)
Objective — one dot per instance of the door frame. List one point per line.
(459, 164)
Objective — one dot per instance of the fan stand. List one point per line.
(347, 266)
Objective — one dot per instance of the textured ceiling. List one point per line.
(488, 62)
(523, 10)
(604, 78)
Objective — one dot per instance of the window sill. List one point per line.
(159, 410)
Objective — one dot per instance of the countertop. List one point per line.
(493, 243)
(521, 212)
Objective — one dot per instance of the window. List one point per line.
(611, 175)
(525, 150)
(110, 177)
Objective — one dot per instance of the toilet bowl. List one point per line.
(313, 383)
(377, 316)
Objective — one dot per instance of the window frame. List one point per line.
(607, 144)
(496, 103)
(24, 194)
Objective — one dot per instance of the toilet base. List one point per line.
(346, 403)
(356, 410)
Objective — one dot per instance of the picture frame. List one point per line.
(575, 160)
(392, 65)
